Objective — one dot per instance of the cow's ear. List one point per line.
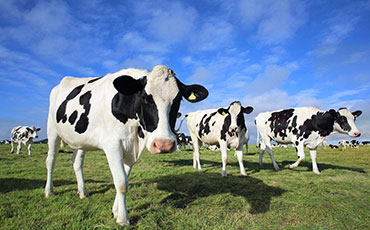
(38, 129)
(223, 111)
(357, 113)
(127, 85)
(247, 109)
(192, 93)
(333, 113)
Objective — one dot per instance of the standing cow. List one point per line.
(303, 127)
(121, 114)
(23, 135)
(225, 127)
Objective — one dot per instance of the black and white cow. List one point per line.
(121, 114)
(303, 127)
(355, 144)
(23, 135)
(219, 126)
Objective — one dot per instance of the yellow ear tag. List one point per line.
(223, 113)
(192, 96)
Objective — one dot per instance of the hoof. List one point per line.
(317, 172)
(50, 194)
(123, 223)
(83, 194)
(223, 173)
(200, 170)
(243, 173)
(291, 167)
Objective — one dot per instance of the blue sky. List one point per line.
(265, 53)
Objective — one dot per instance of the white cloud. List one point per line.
(253, 68)
(201, 74)
(143, 61)
(134, 41)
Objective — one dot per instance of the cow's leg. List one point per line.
(239, 155)
(12, 147)
(115, 205)
(262, 150)
(29, 144)
(301, 156)
(315, 169)
(53, 144)
(271, 154)
(196, 146)
(114, 156)
(246, 148)
(223, 148)
(19, 147)
(78, 162)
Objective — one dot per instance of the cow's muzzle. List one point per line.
(162, 146)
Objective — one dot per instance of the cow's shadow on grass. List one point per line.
(18, 184)
(188, 187)
(322, 167)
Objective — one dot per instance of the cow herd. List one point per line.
(125, 112)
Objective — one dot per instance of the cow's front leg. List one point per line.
(120, 180)
(271, 154)
(301, 156)
(115, 204)
(196, 157)
(12, 147)
(239, 155)
(53, 143)
(315, 169)
(19, 147)
(29, 148)
(78, 161)
(223, 148)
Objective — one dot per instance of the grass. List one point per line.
(167, 193)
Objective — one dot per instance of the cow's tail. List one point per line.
(258, 139)
(182, 120)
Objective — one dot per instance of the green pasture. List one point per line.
(167, 193)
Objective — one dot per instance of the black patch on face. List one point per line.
(343, 123)
(140, 132)
(319, 122)
(204, 128)
(225, 127)
(61, 112)
(139, 105)
(280, 121)
(240, 121)
(73, 117)
(83, 122)
(93, 80)
(213, 124)
(174, 111)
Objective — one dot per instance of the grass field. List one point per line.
(167, 193)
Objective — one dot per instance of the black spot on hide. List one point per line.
(73, 117)
(280, 121)
(61, 112)
(93, 80)
(83, 122)
(204, 128)
(320, 122)
(225, 127)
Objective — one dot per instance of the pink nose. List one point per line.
(357, 134)
(162, 146)
(233, 128)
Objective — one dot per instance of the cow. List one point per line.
(333, 146)
(223, 126)
(23, 135)
(343, 144)
(181, 140)
(324, 144)
(303, 127)
(366, 143)
(355, 144)
(121, 113)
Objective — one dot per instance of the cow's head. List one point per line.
(235, 113)
(155, 100)
(345, 121)
(32, 132)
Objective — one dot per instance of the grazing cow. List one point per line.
(355, 144)
(121, 114)
(182, 140)
(343, 144)
(333, 146)
(324, 144)
(366, 143)
(303, 127)
(23, 135)
(223, 126)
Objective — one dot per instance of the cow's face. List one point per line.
(155, 102)
(236, 117)
(32, 132)
(345, 122)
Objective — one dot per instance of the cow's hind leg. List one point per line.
(196, 157)
(223, 148)
(19, 147)
(301, 156)
(315, 169)
(271, 154)
(262, 150)
(29, 144)
(53, 143)
(78, 161)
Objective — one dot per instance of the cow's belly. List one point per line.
(283, 140)
(210, 139)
